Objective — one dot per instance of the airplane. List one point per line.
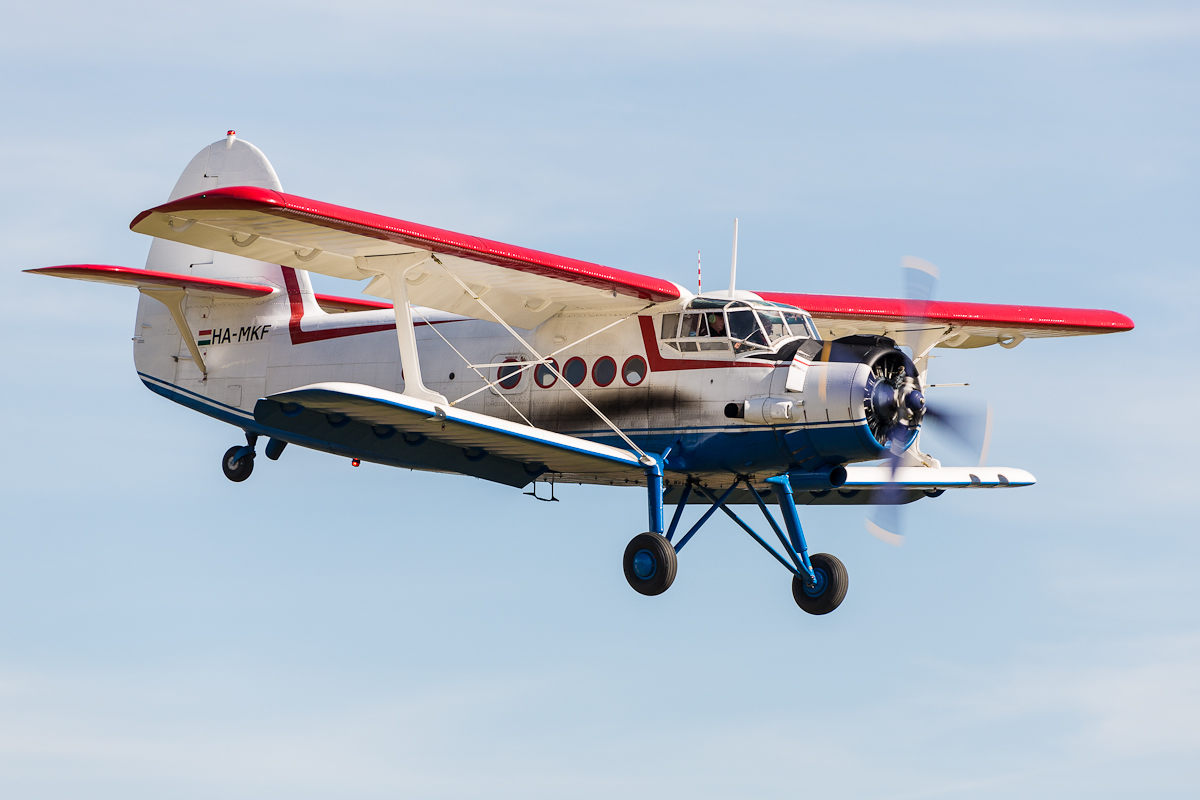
(516, 366)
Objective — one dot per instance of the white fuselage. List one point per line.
(656, 394)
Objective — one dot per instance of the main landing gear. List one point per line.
(650, 563)
(828, 589)
(238, 462)
(819, 584)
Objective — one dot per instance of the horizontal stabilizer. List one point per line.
(333, 304)
(384, 426)
(149, 279)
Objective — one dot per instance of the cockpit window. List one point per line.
(744, 329)
(799, 323)
(713, 324)
(773, 324)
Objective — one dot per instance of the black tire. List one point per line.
(650, 564)
(237, 471)
(832, 583)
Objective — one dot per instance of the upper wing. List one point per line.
(405, 431)
(149, 279)
(967, 324)
(524, 286)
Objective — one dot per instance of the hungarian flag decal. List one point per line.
(205, 337)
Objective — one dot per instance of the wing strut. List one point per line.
(395, 268)
(173, 299)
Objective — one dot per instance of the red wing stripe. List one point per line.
(130, 276)
(375, 226)
(979, 315)
(351, 303)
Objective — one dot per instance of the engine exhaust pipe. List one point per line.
(826, 478)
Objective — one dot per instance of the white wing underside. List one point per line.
(523, 298)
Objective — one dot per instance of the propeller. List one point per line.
(903, 401)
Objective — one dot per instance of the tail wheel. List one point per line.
(650, 564)
(237, 469)
(829, 590)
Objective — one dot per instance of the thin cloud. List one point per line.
(864, 23)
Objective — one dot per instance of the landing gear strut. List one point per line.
(818, 584)
(238, 462)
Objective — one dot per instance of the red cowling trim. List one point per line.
(375, 226)
(988, 315)
(132, 276)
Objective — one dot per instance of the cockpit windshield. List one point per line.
(712, 324)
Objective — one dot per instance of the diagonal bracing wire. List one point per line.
(546, 360)
(469, 364)
(470, 293)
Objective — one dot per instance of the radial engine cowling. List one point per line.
(857, 379)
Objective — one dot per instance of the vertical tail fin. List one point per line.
(228, 162)
(192, 366)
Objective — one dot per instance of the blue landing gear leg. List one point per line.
(818, 584)
(650, 562)
(238, 462)
(824, 585)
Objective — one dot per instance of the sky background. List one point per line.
(320, 631)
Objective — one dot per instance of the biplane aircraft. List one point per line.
(520, 367)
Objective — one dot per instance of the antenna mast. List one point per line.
(699, 280)
(733, 268)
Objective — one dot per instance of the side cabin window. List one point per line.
(694, 325)
(670, 326)
(703, 332)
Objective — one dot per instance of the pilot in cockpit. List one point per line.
(716, 325)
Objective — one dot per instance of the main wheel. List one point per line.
(650, 563)
(237, 469)
(830, 588)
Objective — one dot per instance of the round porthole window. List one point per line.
(604, 371)
(509, 374)
(575, 371)
(544, 376)
(634, 370)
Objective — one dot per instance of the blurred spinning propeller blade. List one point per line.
(885, 521)
(919, 277)
(889, 515)
(970, 428)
